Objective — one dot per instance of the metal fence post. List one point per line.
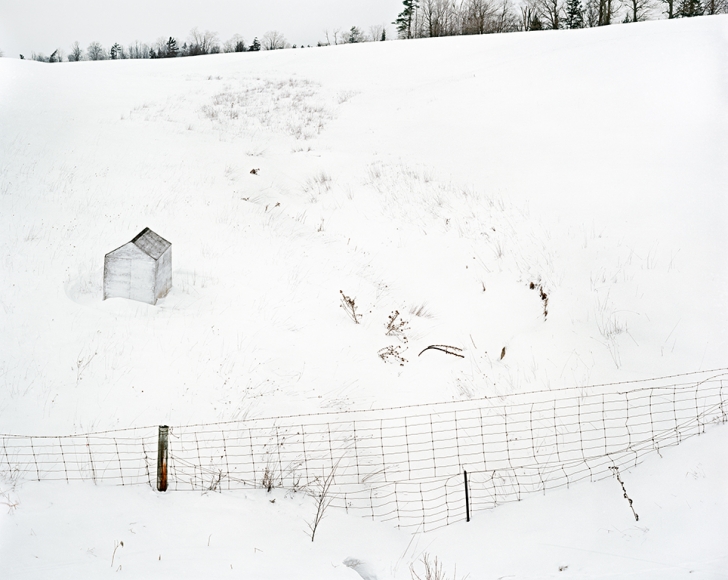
(467, 498)
(162, 456)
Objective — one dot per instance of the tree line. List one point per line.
(418, 19)
(431, 18)
(198, 43)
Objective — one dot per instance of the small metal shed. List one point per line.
(140, 269)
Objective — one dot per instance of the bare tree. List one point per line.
(95, 51)
(551, 12)
(670, 6)
(439, 17)
(235, 44)
(273, 40)
(2, 54)
(601, 12)
(377, 32)
(159, 48)
(505, 19)
(476, 15)
(337, 36)
(138, 50)
(203, 42)
(607, 11)
(715, 6)
(76, 53)
(591, 13)
(638, 10)
(528, 16)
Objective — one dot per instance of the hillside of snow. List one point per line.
(551, 205)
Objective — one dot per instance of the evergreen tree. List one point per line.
(116, 51)
(405, 18)
(574, 14)
(172, 50)
(355, 35)
(535, 23)
(256, 45)
(690, 8)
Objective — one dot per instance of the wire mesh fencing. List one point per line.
(122, 457)
(406, 466)
(402, 465)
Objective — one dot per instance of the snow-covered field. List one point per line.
(437, 178)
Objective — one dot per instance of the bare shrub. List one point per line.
(317, 185)
(396, 326)
(8, 498)
(344, 96)
(292, 106)
(269, 479)
(349, 307)
(321, 492)
(216, 481)
(432, 570)
(209, 112)
(392, 354)
(421, 311)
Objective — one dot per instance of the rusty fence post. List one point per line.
(162, 456)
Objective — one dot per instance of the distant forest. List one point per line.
(418, 19)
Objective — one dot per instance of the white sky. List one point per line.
(42, 26)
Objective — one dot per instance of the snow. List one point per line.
(439, 176)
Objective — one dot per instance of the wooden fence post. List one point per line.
(467, 498)
(162, 455)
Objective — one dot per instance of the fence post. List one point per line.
(467, 499)
(162, 453)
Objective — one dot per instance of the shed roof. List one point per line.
(150, 243)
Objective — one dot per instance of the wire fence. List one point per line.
(401, 465)
(122, 457)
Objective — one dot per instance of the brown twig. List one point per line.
(624, 490)
(446, 349)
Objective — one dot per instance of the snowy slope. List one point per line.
(589, 162)
(439, 178)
